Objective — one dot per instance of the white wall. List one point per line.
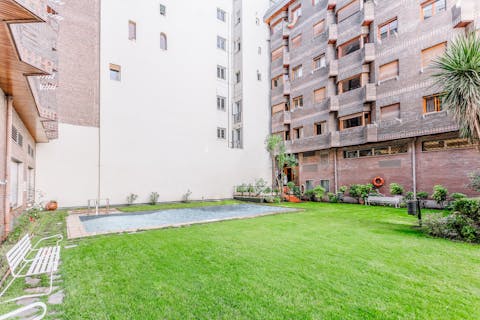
(158, 125)
(67, 168)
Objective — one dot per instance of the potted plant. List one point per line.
(52, 205)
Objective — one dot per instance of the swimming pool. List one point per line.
(174, 217)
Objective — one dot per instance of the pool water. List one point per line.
(171, 217)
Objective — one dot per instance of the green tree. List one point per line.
(458, 73)
(280, 159)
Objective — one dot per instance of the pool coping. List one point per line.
(76, 229)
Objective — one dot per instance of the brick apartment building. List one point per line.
(28, 79)
(352, 92)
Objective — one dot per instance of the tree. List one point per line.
(280, 158)
(458, 73)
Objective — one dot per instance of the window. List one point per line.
(17, 136)
(349, 10)
(221, 133)
(390, 112)
(309, 154)
(221, 101)
(221, 72)
(221, 43)
(277, 53)
(221, 14)
(432, 103)
(115, 72)
(297, 133)
(297, 72)
(388, 29)
(358, 120)
(237, 112)
(278, 108)
(325, 185)
(320, 128)
(433, 7)
(163, 41)
(350, 84)
(163, 10)
(132, 30)
(31, 151)
(276, 81)
(298, 102)
(239, 16)
(237, 139)
(238, 77)
(454, 143)
(259, 75)
(318, 28)
(429, 54)
(287, 132)
(319, 62)
(296, 13)
(349, 47)
(376, 151)
(297, 41)
(319, 95)
(238, 45)
(389, 71)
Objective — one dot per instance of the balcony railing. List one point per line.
(369, 52)
(463, 13)
(286, 58)
(237, 117)
(368, 13)
(236, 144)
(286, 85)
(332, 33)
(333, 68)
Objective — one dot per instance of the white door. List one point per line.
(14, 184)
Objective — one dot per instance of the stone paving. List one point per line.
(75, 227)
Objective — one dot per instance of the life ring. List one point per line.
(378, 182)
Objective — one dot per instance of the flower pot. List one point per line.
(51, 206)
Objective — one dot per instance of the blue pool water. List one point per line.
(164, 218)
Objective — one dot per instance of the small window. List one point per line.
(297, 72)
(163, 10)
(221, 102)
(433, 7)
(350, 84)
(132, 31)
(325, 185)
(163, 41)
(14, 134)
(432, 103)
(298, 102)
(390, 112)
(221, 43)
(259, 75)
(349, 47)
(238, 77)
(115, 72)
(277, 53)
(221, 133)
(276, 81)
(221, 73)
(20, 140)
(319, 62)
(429, 54)
(389, 71)
(297, 41)
(320, 128)
(318, 28)
(298, 133)
(359, 120)
(319, 95)
(388, 29)
(221, 15)
(238, 45)
(278, 108)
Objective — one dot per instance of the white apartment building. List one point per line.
(181, 102)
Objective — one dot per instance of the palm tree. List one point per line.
(458, 73)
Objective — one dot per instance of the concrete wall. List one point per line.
(3, 134)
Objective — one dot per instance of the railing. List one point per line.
(237, 117)
(237, 144)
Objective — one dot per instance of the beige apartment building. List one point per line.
(353, 96)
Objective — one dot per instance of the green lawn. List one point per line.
(327, 262)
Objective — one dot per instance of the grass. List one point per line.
(327, 262)
(165, 206)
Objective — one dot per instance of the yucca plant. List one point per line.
(458, 73)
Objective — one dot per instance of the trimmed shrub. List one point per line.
(474, 178)
(332, 197)
(422, 195)
(457, 196)
(440, 193)
(467, 208)
(409, 195)
(396, 189)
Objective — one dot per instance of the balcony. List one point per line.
(333, 68)
(285, 30)
(372, 133)
(368, 13)
(237, 117)
(331, 4)
(35, 43)
(286, 58)
(369, 52)
(279, 120)
(332, 33)
(333, 104)
(286, 85)
(463, 13)
(318, 142)
(370, 92)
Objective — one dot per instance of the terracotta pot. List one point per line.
(51, 206)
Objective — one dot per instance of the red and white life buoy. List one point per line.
(378, 182)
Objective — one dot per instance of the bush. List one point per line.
(409, 195)
(290, 186)
(154, 198)
(297, 192)
(343, 189)
(422, 195)
(457, 196)
(439, 193)
(260, 185)
(474, 178)
(318, 192)
(396, 189)
(332, 197)
(131, 198)
(355, 191)
(467, 208)
(360, 190)
(242, 189)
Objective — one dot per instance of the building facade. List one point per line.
(28, 79)
(353, 96)
(171, 98)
